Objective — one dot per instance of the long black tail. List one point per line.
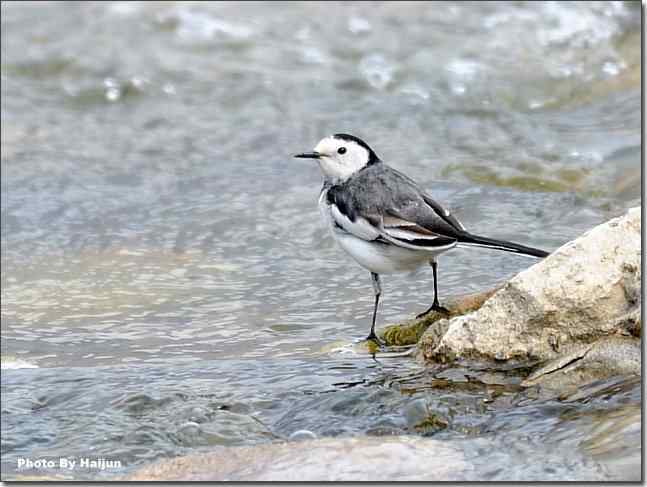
(490, 243)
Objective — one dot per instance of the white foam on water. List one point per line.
(15, 363)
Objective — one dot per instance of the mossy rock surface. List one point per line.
(408, 333)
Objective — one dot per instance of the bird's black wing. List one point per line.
(386, 201)
(395, 208)
(432, 217)
(438, 209)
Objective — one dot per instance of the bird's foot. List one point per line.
(434, 307)
(373, 339)
(380, 349)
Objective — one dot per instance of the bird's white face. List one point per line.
(339, 159)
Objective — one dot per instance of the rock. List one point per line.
(409, 458)
(630, 322)
(329, 459)
(410, 332)
(604, 358)
(586, 290)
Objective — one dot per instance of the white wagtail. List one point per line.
(383, 219)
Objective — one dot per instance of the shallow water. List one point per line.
(162, 254)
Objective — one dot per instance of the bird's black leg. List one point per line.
(436, 305)
(377, 289)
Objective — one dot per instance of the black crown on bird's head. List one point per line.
(372, 156)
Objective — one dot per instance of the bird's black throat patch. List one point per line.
(342, 200)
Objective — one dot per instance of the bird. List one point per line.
(385, 220)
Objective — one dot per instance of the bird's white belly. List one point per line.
(382, 258)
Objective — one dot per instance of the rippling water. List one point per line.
(162, 251)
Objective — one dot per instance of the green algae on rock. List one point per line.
(409, 333)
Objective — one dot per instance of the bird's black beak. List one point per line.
(308, 155)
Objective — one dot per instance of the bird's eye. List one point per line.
(341, 150)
